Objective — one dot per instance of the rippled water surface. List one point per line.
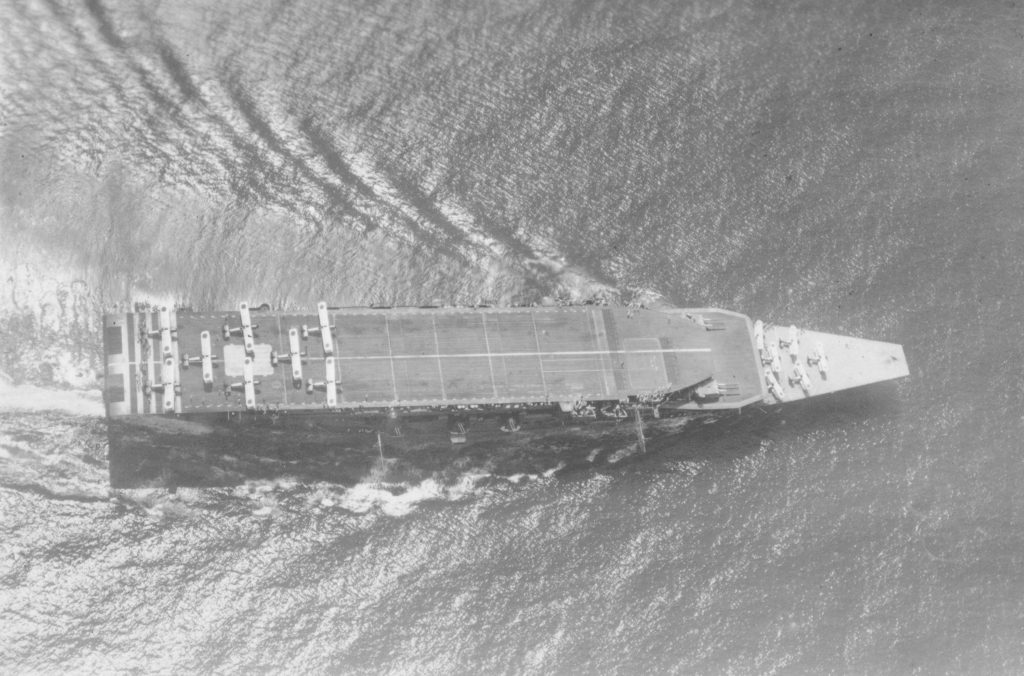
(850, 166)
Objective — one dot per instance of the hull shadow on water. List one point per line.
(224, 450)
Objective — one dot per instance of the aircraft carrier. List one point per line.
(291, 383)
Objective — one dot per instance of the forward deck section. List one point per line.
(812, 363)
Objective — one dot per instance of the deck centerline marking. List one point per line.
(540, 358)
(437, 353)
(567, 353)
(486, 354)
(487, 346)
(390, 357)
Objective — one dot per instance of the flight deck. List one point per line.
(352, 358)
(164, 361)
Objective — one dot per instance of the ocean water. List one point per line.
(852, 167)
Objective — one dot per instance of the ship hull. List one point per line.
(231, 449)
(213, 399)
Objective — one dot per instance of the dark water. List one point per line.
(847, 166)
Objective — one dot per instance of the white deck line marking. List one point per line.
(206, 355)
(167, 380)
(173, 323)
(135, 352)
(247, 336)
(487, 345)
(325, 328)
(437, 353)
(295, 352)
(390, 357)
(575, 370)
(525, 354)
(248, 384)
(165, 331)
(150, 364)
(540, 358)
(285, 384)
(331, 385)
(580, 353)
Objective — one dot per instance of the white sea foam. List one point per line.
(365, 497)
(551, 472)
(33, 398)
(623, 453)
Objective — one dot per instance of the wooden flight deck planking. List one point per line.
(361, 357)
